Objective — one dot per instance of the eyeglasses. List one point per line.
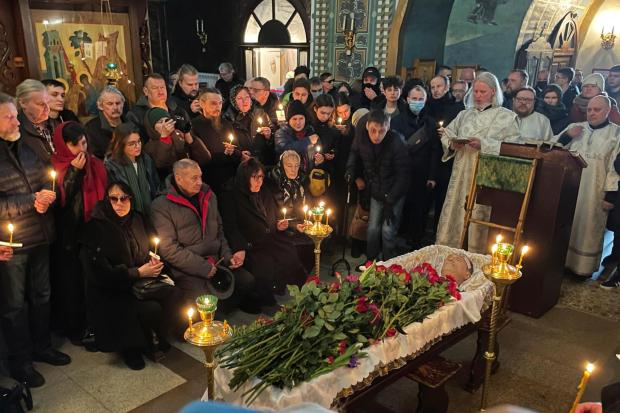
(117, 199)
(134, 144)
(258, 177)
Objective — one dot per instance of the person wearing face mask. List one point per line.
(185, 93)
(81, 183)
(371, 89)
(99, 129)
(315, 87)
(58, 114)
(424, 148)
(479, 129)
(251, 125)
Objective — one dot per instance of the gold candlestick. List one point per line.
(582, 386)
(208, 334)
(317, 231)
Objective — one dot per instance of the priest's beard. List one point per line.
(11, 136)
(216, 122)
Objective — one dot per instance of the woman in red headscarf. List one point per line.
(81, 181)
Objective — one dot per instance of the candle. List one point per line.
(305, 212)
(11, 229)
(441, 123)
(202, 25)
(318, 149)
(53, 175)
(339, 120)
(524, 251)
(230, 138)
(327, 214)
(494, 254)
(582, 385)
(344, 22)
(499, 239)
(190, 314)
(352, 21)
(321, 204)
(197, 28)
(284, 213)
(156, 242)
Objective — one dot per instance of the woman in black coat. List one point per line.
(116, 254)
(552, 107)
(252, 223)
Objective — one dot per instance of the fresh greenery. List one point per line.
(327, 325)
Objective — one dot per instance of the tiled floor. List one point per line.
(541, 360)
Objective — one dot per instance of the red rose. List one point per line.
(361, 306)
(352, 278)
(342, 347)
(391, 332)
(375, 310)
(330, 359)
(335, 286)
(314, 279)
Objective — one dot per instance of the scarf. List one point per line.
(94, 180)
(139, 184)
(553, 113)
(291, 189)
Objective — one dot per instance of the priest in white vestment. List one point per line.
(598, 142)
(482, 127)
(533, 126)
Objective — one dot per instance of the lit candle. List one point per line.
(322, 204)
(280, 113)
(53, 175)
(156, 242)
(305, 213)
(499, 239)
(494, 252)
(190, 314)
(284, 213)
(441, 123)
(524, 251)
(11, 229)
(582, 385)
(339, 120)
(318, 149)
(327, 214)
(230, 138)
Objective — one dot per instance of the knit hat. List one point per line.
(301, 69)
(595, 79)
(357, 115)
(371, 71)
(295, 107)
(552, 87)
(153, 116)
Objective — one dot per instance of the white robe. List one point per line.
(599, 149)
(491, 126)
(535, 127)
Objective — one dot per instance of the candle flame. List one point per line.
(339, 120)
(499, 238)
(156, 241)
(525, 250)
(441, 123)
(328, 212)
(53, 174)
(280, 106)
(260, 120)
(590, 367)
(284, 211)
(11, 228)
(318, 149)
(230, 137)
(305, 209)
(321, 204)
(494, 248)
(190, 312)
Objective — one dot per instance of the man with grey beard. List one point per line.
(215, 132)
(24, 280)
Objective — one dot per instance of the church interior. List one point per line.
(533, 325)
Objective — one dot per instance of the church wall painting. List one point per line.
(75, 49)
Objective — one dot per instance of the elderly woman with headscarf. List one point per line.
(480, 128)
(251, 125)
(553, 108)
(81, 180)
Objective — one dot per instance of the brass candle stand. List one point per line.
(502, 274)
(208, 334)
(317, 231)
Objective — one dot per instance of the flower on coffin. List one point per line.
(334, 287)
(352, 278)
(314, 279)
(342, 347)
(361, 306)
(375, 310)
(353, 362)
(391, 332)
(330, 360)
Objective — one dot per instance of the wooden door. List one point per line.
(12, 50)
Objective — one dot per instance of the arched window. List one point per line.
(275, 22)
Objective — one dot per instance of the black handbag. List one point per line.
(153, 288)
(12, 394)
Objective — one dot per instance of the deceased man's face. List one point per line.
(458, 266)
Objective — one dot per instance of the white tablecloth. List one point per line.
(324, 389)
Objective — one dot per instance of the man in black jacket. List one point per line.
(386, 166)
(24, 280)
(185, 93)
(260, 90)
(424, 147)
(99, 129)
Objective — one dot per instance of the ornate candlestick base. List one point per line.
(317, 232)
(208, 335)
(502, 275)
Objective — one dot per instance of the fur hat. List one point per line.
(295, 107)
(595, 79)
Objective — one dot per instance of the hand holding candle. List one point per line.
(582, 385)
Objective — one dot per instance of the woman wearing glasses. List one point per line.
(251, 125)
(115, 254)
(126, 163)
(254, 224)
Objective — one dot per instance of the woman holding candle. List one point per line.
(299, 135)
(116, 253)
(81, 180)
(253, 223)
(251, 125)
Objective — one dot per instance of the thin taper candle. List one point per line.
(53, 175)
(524, 251)
(327, 214)
(582, 386)
(190, 314)
(11, 229)
(156, 242)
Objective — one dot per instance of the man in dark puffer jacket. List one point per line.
(24, 202)
(386, 166)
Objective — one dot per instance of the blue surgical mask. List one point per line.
(316, 94)
(416, 106)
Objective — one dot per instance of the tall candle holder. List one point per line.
(202, 35)
(502, 274)
(208, 334)
(317, 231)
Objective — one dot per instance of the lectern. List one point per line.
(547, 223)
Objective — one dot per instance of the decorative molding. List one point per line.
(8, 77)
(145, 48)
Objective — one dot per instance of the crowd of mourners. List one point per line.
(193, 190)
